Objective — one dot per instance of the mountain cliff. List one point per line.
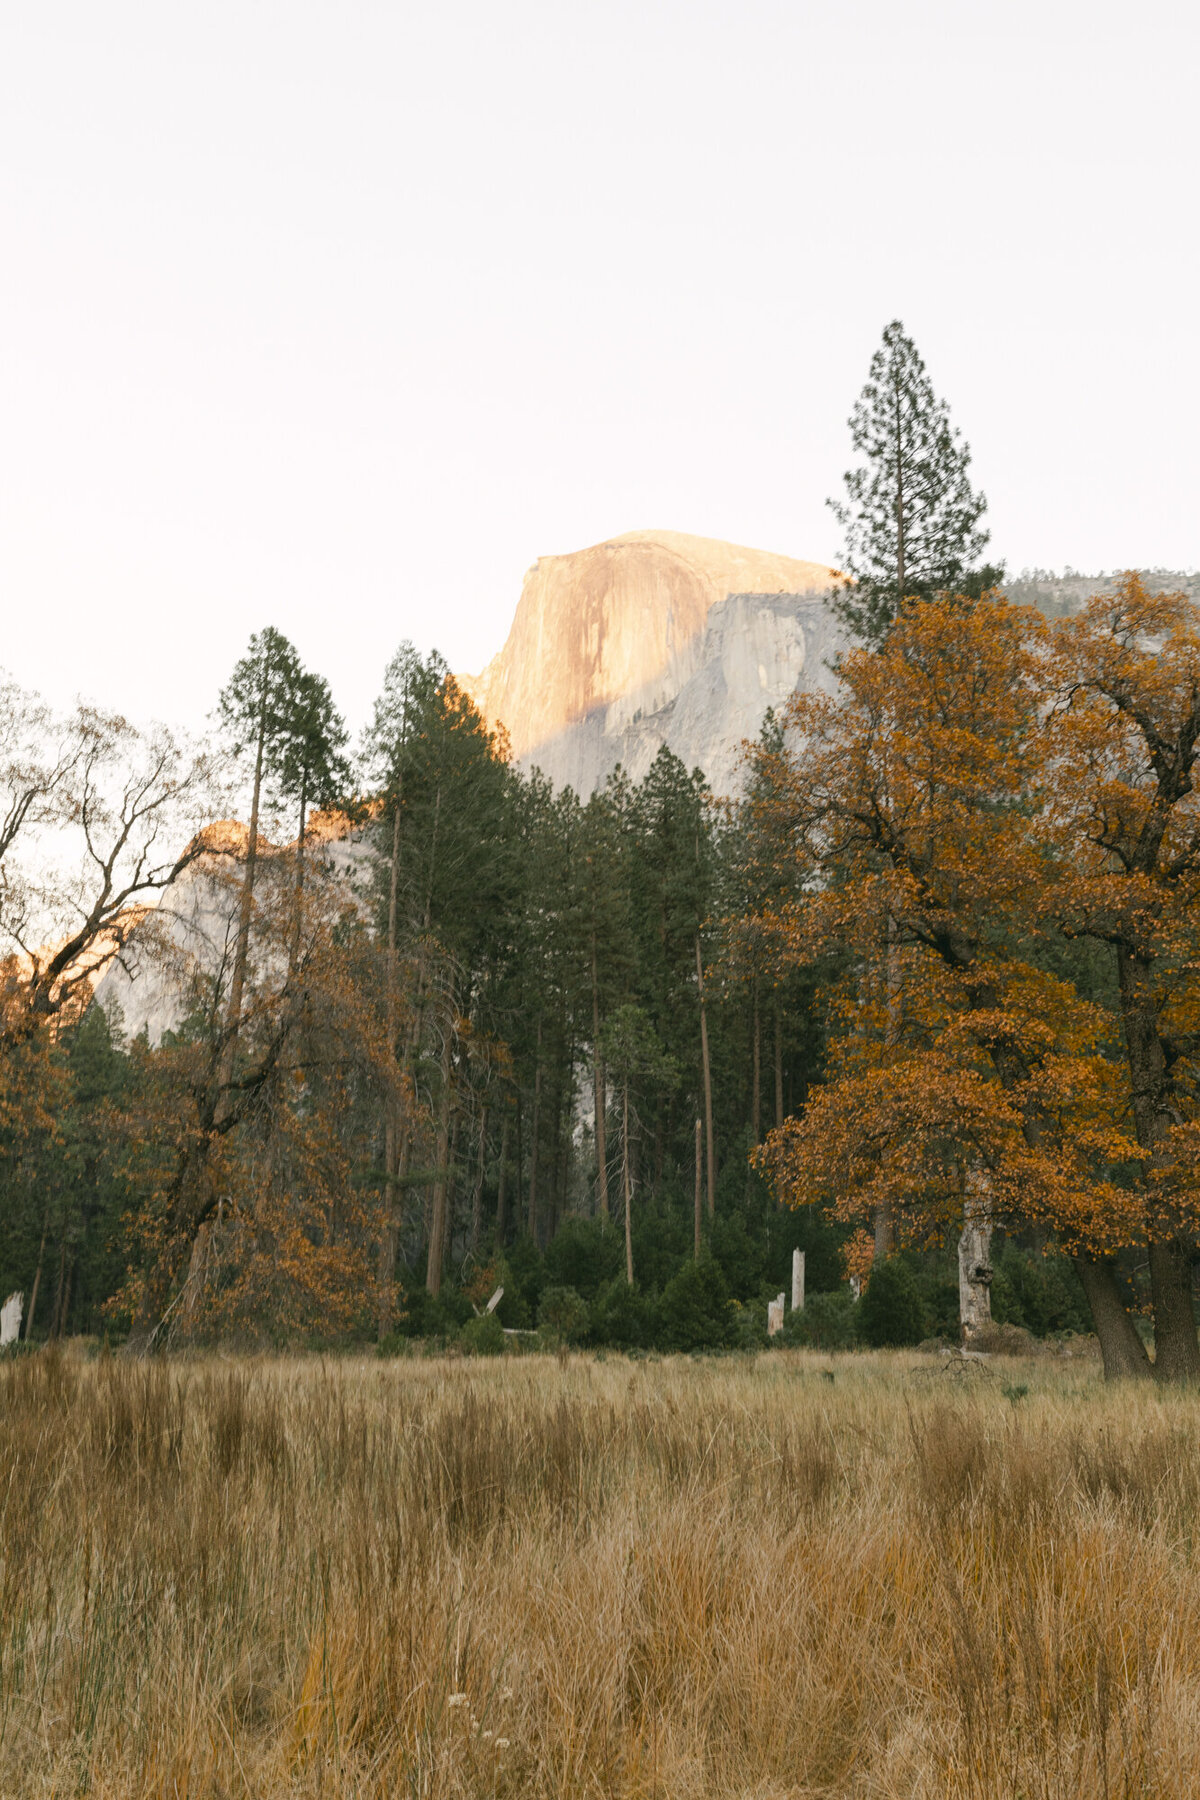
(651, 638)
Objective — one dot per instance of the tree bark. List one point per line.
(441, 1179)
(778, 1069)
(502, 1183)
(37, 1282)
(534, 1127)
(756, 1082)
(298, 895)
(1176, 1355)
(974, 1262)
(391, 1220)
(625, 1182)
(599, 1095)
(241, 956)
(1122, 1351)
(708, 1105)
(477, 1191)
(696, 1209)
(1176, 1346)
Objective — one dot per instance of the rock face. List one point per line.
(187, 941)
(654, 638)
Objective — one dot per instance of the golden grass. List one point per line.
(534, 1577)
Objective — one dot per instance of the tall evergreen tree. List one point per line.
(313, 770)
(257, 710)
(911, 517)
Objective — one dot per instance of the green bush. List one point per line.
(526, 1272)
(584, 1255)
(750, 1325)
(563, 1315)
(483, 1337)
(621, 1315)
(890, 1313)
(424, 1316)
(826, 1322)
(1040, 1292)
(694, 1312)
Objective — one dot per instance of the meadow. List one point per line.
(783, 1575)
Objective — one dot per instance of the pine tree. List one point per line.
(911, 517)
(313, 770)
(257, 709)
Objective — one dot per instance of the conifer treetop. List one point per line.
(911, 518)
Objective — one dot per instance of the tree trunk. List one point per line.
(56, 1316)
(37, 1281)
(241, 954)
(391, 1213)
(477, 1191)
(625, 1182)
(756, 1083)
(534, 1127)
(884, 1233)
(441, 1178)
(901, 547)
(298, 896)
(708, 1105)
(1121, 1349)
(778, 1069)
(1176, 1356)
(696, 1209)
(1176, 1346)
(599, 1095)
(974, 1265)
(502, 1182)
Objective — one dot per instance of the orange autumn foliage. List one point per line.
(933, 811)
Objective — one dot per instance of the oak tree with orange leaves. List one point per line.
(924, 808)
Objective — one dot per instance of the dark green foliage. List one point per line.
(622, 1316)
(483, 1337)
(662, 1234)
(584, 1255)
(890, 1313)
(563, 1316)
(425, 1316)
(694, 1312)
(526, 1271)
(911, 518)
(1040, 1292)
(826, 1322)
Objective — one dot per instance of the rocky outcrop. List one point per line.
(186, 943)
(654, 638)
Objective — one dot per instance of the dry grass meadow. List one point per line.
(582, 1577)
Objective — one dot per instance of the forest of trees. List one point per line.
(450, 1030)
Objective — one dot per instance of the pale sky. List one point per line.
(336, 316)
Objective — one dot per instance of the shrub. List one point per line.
(584, 1254)
(621, 1316)
(483, 1337)
(890, 1312)
(826, 1322)
(750, 1325)
(563, 1315)
(526, 1272)
(424, 1316)
(694, 1312)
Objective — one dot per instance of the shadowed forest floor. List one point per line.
(791, 1575)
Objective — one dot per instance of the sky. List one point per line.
(336, 316)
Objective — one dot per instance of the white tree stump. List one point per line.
(774, 1316)
(797, 1281)
(10, 1319)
